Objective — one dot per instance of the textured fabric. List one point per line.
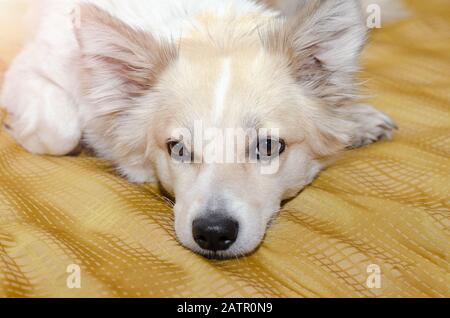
(387, 204)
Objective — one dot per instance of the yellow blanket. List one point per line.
(386, 205)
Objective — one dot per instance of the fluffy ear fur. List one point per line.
(324, 41)
(116, 57)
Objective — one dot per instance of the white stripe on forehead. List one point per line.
(221, 90)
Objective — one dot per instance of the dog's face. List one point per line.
(231, 187)
(231, 122)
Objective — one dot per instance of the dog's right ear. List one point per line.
(116, 56)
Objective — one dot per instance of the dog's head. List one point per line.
(233, 117)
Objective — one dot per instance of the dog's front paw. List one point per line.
(372, 125)
(137, 173)
(40, 115)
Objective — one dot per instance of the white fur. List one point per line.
(221, 90)
(45, 69)
(233, 74)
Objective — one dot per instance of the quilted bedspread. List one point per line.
(383, 210)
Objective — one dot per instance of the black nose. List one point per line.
(215, 232)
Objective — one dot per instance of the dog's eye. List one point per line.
(178, 151)
(270, 148)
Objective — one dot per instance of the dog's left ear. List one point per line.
(324, 41)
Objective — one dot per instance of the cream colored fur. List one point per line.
(122, 76)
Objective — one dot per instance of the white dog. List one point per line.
(124, 76)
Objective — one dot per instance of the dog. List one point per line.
(132, 79)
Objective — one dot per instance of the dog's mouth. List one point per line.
(221, 232)
(216, 256)
(222, 255)
(242, 247)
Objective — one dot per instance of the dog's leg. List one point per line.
(138, 173)
(40, 92)
(42, 116)
(371, 125)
